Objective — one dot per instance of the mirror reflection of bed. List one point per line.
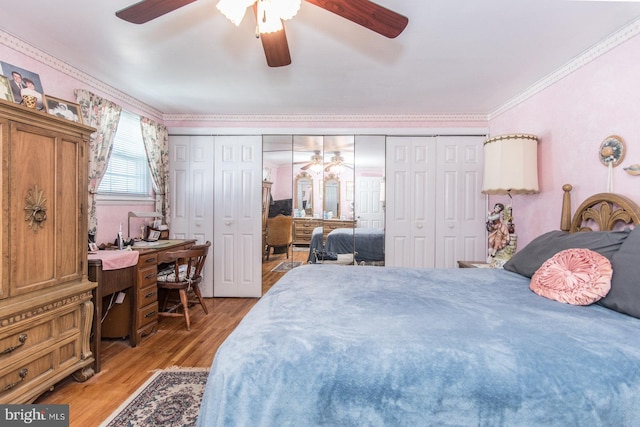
(330, 185)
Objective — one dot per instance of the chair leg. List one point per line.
(196, 290)
(185, 306)
(268, 252)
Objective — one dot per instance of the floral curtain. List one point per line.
(156, 144)
(103, 115)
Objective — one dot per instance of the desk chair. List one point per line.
(279, 233)
(184, 274)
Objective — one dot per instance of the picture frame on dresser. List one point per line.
(61, 108)
(25, 75)
(5, 89)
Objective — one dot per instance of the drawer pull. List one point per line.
(150, 314)
(146, 334)
(22, 338)
(150, 261)
(23, 375)
(150, 294)
(150, 276)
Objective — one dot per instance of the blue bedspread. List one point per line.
(367, 242)
(315, 244)
(379, 346)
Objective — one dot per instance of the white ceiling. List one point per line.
(455, 57)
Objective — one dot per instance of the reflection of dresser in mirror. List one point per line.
(303, 228)
(266, 201)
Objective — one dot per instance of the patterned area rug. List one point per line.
(287, 265)
(169, 398)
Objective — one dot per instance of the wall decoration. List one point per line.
(612, 151)
(23, 83)
(633, 169)
(61, 108)
(5, 89)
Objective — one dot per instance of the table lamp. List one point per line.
(510, 167)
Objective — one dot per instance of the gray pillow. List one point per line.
(624, 295)
(530, 258)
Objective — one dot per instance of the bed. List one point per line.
(339, 346)
(366, 243)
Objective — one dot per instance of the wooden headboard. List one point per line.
(607, 211)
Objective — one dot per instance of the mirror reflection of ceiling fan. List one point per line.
(337, 164)
(270, 15)
(317, 163)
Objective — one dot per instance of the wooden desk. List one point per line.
(141, 278)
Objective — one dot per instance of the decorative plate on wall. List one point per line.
(612, 150)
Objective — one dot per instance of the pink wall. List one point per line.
(571, 118)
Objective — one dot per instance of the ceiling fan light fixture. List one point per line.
(285, 9)
(271, 13)
(234, 10)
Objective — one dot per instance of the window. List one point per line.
(128, 171)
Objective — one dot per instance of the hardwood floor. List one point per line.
(124, 369)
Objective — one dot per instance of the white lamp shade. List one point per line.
(234, 10)
(511, 165)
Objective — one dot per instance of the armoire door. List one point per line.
(192, 198)
(238, 216)
(410, 202)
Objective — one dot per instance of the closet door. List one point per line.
(237, 220)
(191, 177)
(461, 207)
(410, 202)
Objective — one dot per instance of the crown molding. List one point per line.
(25, 48)
(323, 118)
(616, 39)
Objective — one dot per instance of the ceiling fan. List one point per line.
(363, 12)
(337, 164)
(315, 163)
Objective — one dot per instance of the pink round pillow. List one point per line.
(573, 276)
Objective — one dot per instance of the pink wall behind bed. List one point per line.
(571, 118)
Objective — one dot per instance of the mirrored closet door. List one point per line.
(332, 187)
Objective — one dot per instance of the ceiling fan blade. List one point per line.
(276, 48)
(370, 15)
(146, 10)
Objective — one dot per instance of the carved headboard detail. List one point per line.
(604, 210)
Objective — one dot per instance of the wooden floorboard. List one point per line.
(124, 369)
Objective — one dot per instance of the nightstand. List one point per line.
(473, 264)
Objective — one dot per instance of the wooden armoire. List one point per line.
(45, 298)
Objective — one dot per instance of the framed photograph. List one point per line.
(61, 108)
(22, 82)
(5, 89)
